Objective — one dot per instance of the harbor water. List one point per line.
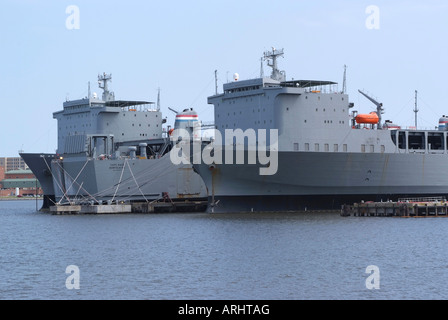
(200, 256)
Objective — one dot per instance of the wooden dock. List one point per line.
(405, 208)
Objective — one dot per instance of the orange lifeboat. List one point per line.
(371, 118)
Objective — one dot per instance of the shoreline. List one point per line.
(18, 199)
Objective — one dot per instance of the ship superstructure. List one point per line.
(101, 123)
(328, 154)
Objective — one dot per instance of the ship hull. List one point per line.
(323, 181)
(314, 203)
(40, 165)
(125, 180)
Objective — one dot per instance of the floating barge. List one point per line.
(405, 208)
(135, 207)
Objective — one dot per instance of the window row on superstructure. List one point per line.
(326, 147)
(316, 147)
(410, 141)
(242, 89)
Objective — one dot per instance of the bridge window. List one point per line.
(435, 141)
(416, 140)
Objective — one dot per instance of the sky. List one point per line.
(49, 53)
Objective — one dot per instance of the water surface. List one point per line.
(219, 256)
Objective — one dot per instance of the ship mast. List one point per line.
(272, 56)
(261, 69)
(89, 95)
(102, 83)
(416, 108)
(216, 82)
(344, 80)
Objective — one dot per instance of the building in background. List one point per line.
(2, 176)
(20, 182)
(13, 163)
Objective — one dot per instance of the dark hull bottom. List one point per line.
(49, 200)
(229, 204)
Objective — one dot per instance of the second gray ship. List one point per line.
(328, 154)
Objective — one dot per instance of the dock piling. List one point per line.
(405, 208)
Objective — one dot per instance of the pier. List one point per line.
(134, 207)
(404, 208)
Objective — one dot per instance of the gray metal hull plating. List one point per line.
(40, 165)
(318, 180)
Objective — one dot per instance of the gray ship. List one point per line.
(328, 154)
(115, 151)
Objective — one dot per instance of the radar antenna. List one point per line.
(272, 56)
(379, 107)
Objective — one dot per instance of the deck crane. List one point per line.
(379, 107)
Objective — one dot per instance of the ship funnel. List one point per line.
(188, 120)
